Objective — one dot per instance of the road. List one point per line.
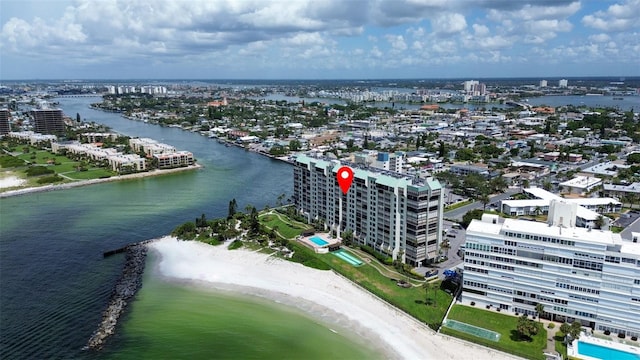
(458, 213)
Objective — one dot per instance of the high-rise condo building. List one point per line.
(48, 121)
(543, 83)
(592, 276)
(563, 83)
(4, 122)
(397, 215)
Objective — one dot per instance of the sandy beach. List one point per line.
(11, 181)
(52, 187)
(322, 294)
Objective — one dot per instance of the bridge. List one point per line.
(516, 104)
(79, 95)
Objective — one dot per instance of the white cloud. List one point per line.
(599, 37)
(375, 52)
(480, 30)
(397, 42)
(416, 33)
(618, 17)
(449, 23)
(334, 34)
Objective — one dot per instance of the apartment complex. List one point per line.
(4, 122)
(174, 159)
(592, 276)
(395, 214)
(48, 121)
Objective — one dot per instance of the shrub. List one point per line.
(634, 338)
(473, 303)
(382, 258)
(551, 325)
(49, 179)
(186, 231)
(621, 335)
(38, 170)
(236, 244)
(607, 332)
(10, 161)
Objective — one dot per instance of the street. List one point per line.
(458, 213)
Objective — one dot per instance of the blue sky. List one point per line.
(317, 39)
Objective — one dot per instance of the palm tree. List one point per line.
(537, 210)
(484, 199)
(427, 286)
(539, 310)
(599, 222)
(445, 246)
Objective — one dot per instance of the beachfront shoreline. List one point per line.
(50, 187)
(320, 294)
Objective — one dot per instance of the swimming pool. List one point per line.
(604, 353)
(318, 241)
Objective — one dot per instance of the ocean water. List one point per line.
(54, 282)
(174, 320)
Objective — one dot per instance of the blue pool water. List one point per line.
(604, 353)
(318, 241)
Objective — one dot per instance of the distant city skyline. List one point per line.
(330, 39)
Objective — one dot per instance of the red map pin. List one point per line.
(345, 178)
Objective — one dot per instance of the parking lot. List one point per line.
(456, 237)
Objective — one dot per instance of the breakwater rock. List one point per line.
(125, 289)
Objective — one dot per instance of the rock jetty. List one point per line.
(125, 289)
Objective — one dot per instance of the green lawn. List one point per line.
(500, 323)
(286, 228)
(65, 166)
(92, 173)
(457, 205)
(412, 300)
(561, 347)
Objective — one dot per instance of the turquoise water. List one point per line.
(175, 320)
(348, 257)
(604, 353)
(318, 241)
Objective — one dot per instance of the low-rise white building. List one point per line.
(581, 184)
(129, 163)
(150, 146)
(33, 138)
(587, 213)
(173, 160)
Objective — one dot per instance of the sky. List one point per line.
(317, 39)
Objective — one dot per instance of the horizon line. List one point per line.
(622, 77)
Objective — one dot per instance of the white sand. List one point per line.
(50, 187)
(259, 274)
(11, 181)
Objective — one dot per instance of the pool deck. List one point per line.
(320, 249)
(573, 350)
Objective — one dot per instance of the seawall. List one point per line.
(126, 287)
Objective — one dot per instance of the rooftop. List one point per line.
(582, 182)
(360, 171)
(603, 237)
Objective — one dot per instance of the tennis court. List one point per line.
(473, 330)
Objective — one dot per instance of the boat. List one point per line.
(618, 98)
